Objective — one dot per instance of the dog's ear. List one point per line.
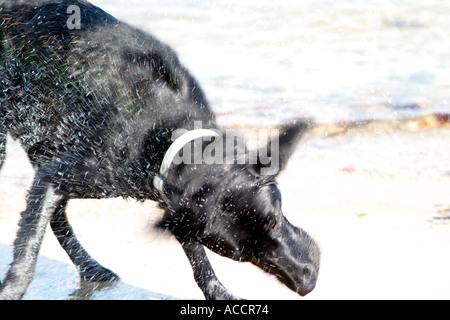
(274, 156)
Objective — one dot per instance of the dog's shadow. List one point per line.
(55, 280)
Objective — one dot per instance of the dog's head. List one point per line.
(249, 225)
(235, 211)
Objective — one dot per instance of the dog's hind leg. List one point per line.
(204, 274)
(2, 151)
(2, 154)
(89, 268)
(2, 146)
(41, 203)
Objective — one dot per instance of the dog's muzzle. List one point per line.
(177, 145)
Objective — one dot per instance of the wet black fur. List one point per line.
(94, 108)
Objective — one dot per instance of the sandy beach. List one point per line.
(377, 201)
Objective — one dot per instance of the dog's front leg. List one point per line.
(41, 202)
(204, 274)
(90, 270)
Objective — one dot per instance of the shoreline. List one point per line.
(411, 124)
(407, 124)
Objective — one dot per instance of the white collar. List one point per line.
(177, 145)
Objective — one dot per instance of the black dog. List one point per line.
(95, 108)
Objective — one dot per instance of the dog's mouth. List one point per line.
(284, 277)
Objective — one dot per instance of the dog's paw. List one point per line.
(98, 274)
(221, 295)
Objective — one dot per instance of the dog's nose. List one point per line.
(305, 289)
(309, 281)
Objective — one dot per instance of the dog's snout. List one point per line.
(306, 271)
(304, 290)
(309, 279)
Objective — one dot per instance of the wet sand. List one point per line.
(377, 201)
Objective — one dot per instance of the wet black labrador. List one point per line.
(95, 103)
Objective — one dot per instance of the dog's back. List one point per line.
(105, 90)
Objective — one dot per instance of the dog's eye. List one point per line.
(273, 223)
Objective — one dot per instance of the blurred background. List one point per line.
(265, 61)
